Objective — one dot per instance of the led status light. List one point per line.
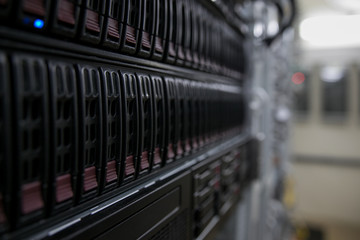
(38, 23)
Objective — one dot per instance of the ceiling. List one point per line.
(308, 8)
(329, 24)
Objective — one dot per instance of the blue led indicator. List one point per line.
(38, 23)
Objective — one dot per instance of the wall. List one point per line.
(326, 153)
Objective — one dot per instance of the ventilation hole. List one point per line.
(112, 151)
(182, 109)
(109, 152)
(59, 81)
(87, 133)
(116, 84)
(130, 146)
(94, 77)
(159, 107)
(128, 88)
(59, 107)
(67, 110)
(109, 83)
(59, 137)
(172, 108)
(92, 111)
(114, 107)
(146, 122)
(183, 25)
(38, 76)
(35, 108)
(147, 23)
(174, 22)
(69, 80)
(67, 136)
(121, 3)
(130, 108)
(172, 116)
(96, 5)
(87, 108)
(113, 129)
(35, 141)
(146, 137)
(92, 132)
(87, 82)
(92, 156)
(146, 107)
(25, 170)
(133, 13)
(191, 30)
(157, 88)
(158, 135)
(147, 6)
(67, 160)
(25, 108)
(109, 128)
(111, 11)
(132, 18)
(35, 168)
(116, 9)
(131, 126)
(25, 140)
(26, 76)
(159, 122)
(59, 164)
(86, 157)
(162, 19)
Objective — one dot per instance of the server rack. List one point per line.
(119, 115)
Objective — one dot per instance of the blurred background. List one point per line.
(325, 134)
(305, 105)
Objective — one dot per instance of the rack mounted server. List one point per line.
(120, 119)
